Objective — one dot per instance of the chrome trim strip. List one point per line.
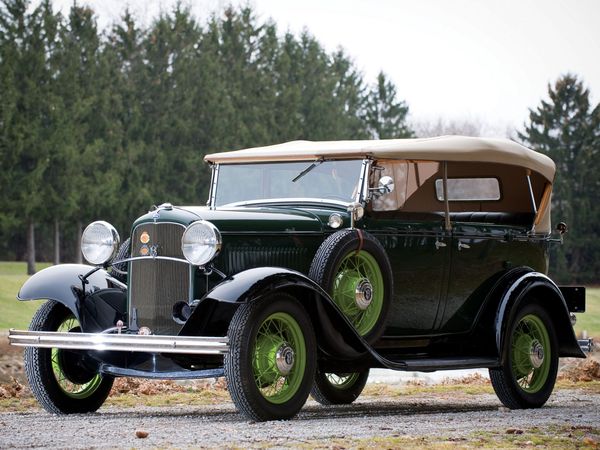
(286, 201)
(213, 186)
(138, 258)
(198, 345)
(363, 182)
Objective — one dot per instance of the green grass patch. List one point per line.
(590, 319)
(15, 314)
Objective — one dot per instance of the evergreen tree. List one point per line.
(29, 134)
(385, 115)
(567, 128)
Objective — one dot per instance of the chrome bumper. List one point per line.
(198, 345)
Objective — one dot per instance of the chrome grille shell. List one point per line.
(155, 285)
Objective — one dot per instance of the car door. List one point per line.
(419, 252)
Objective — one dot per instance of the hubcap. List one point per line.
(537, 354)
(363, 294)
(284, 359)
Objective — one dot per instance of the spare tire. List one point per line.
(353, 268)
(119, 270)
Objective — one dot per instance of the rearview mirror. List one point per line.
(386, 185)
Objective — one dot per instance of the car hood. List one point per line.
(243, 219)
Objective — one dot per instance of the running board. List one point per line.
(177, 375)
(197, 345)
(431, 365)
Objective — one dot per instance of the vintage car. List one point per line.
(312, 263)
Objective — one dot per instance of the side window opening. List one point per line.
(469, 189)
(409, 177)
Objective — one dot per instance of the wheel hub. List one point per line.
(284, 359)
(536, 354)
(363, 294)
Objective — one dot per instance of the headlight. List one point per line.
(99, 242)
(200, 242)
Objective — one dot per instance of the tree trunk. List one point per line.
(56, 242)
(78, 256)
(30, 247)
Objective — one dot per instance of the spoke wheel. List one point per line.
(527, 378)
(58, 378)
(355, 270)
(338, 388)
(358, 290)
(272, 358)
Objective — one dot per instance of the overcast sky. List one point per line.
(483, 60)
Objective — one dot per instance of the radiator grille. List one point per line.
(155, 285)
(236, 259)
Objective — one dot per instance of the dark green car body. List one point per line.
(445, 271)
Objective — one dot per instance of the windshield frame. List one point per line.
(360, 195)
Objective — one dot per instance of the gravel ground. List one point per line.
(450, 416)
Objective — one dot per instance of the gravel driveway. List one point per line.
(451, 416)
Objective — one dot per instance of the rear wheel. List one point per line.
(58, 378)
(531, 354)
(338, 388)
(271, 363)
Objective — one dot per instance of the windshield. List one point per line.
(332, 180)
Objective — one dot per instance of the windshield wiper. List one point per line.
(308, 169)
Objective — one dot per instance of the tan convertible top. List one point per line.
(445, 148)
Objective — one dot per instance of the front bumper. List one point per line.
(197, 345)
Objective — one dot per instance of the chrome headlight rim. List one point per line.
(197, 249)
(109, 243)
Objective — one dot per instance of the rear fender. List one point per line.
(335, 334)
(96, 304)
(535, 285)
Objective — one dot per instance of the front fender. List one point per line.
(538, 285)
(335, 334)
(62, 283)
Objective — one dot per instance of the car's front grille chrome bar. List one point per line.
(199, 345)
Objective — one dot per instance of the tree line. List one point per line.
(101, 124)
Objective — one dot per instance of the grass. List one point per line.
(551, 437)
(590, 320)
(15, 314)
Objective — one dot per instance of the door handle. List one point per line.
(462, 245)
(439, 244)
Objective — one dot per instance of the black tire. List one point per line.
(79, 390)
(519, 383)
(338, 389)
(123, 253)
(260, 332)
(329, 267)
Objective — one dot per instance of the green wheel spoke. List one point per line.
(277, 331)
(530, 335)
(354, 269)
(71, 389)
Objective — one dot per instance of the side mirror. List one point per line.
(562, 228)
(386, 185)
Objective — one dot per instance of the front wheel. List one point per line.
(58, 378)
(271, 363)
(338, 388)
(527, 378)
